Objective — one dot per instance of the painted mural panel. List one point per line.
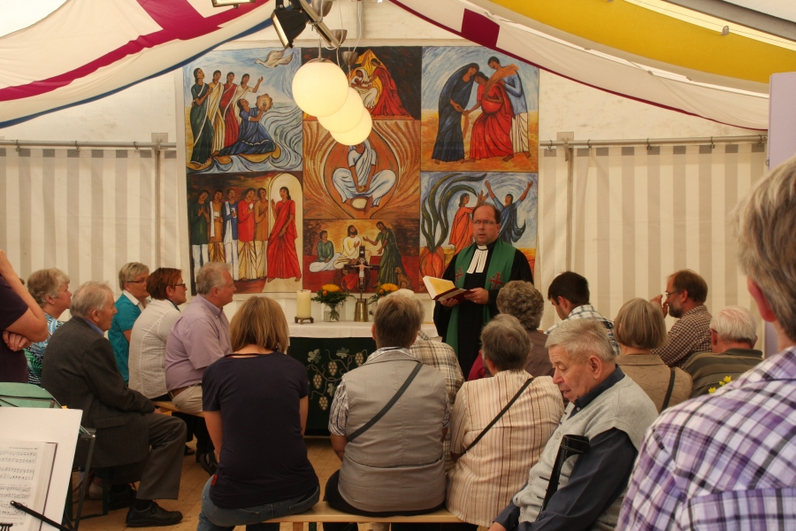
(274, 195)
(480, 111)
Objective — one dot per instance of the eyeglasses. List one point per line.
(484, 222)
(179, 285)
(137, 281)
(672, 293)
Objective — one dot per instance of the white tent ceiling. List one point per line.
(648, 50)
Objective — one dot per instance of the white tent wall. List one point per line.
(108, 212)
(639, 214)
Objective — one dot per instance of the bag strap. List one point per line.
(389, 404)
(502, 412)
(669, 390)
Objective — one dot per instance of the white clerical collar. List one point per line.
(478, 262)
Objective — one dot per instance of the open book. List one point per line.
(25, 471)
(441, 289)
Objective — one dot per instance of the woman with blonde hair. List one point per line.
(255, 403)
(639, 328)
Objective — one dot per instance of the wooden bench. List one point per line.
(168, 405)
(322, 512)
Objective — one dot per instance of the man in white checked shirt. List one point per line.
(726, 460)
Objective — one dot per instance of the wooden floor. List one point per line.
(193, 481)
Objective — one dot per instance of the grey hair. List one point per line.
(523, 301)
(581, 338)
(46, 282)
(90, 296)
(765, 224)
(129, 271)
(409, 294)
(210, 276)
(505, 343)
(736, 324)
(396, 322)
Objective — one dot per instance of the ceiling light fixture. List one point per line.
(227, 3)
(289, 23)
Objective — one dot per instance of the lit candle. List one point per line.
(303, 304)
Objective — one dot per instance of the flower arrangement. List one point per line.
(382, 291)
(331, 295)
(723, 381)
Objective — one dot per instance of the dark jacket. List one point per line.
(81, 373)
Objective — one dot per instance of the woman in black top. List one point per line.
(255, 405)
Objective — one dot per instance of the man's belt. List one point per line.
(179, 390)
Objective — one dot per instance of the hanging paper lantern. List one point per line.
(320, 87)
(347, 117)
(358, 134)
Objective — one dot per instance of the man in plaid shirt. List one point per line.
(569, 294)
(726, 460)
(685, 294)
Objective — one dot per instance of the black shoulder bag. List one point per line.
(389, 404)
(502, 412)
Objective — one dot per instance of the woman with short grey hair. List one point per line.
(50, 289)
(521, 300)
(493, 459)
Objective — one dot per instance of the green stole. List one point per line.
(497, 274)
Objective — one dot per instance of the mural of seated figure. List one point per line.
(360, 182)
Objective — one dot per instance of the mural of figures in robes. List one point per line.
(480, 109)
(251, 123)
(240, 226)
(287, 206)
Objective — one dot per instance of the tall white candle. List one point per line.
(303, 303)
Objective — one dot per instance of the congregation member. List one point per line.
(22, 322)
(607, 408)
(436, 354)
(639, 328)
(394, 466)
(483, 267)
(686, 293)
(50, 289)
(147, 361)
(733, 334)
(569, 294)
(725, 460)
(129, 305)
(493, 458)
(256, 404)
(141, 445)
(198, 339)
(523, 301)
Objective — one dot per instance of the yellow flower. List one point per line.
(727, 379)
(711, 390)
(330, 288)
(388, 287)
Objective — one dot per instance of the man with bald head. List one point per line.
(483, 267)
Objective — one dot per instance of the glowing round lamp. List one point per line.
(358, 134)
(347, 117)
(320, 87)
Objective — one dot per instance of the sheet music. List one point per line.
(25, 470)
